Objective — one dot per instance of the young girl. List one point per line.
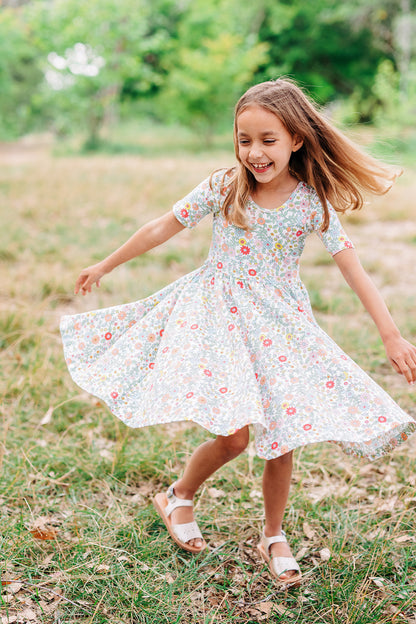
(235, 343)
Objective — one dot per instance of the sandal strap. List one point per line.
(187, 531)
(284, 564)
(174, 502)
(275, 539)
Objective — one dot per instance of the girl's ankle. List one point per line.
(182, 492)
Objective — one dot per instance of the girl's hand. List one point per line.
(89, 276)
(402, 356)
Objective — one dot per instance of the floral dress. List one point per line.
(235, 342)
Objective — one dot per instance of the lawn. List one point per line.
(80, 539)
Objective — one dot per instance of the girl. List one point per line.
(235, 343)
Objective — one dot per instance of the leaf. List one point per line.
(47, 417)
(13, 586)
(379, 581)
(42, 528)
(308, 530)
(215, 493)
(325, 554)
(265, 607)
(49, 533)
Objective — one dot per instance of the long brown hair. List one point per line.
(334, 166)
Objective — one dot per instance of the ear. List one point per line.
(297, 143)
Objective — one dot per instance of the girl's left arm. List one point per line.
(400, 352)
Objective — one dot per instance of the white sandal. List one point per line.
(180, 533)
(279, 565)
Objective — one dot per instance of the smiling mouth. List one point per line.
(260, 167)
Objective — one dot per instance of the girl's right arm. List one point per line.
(147, 237)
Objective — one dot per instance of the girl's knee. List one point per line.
(236, 443)
(285, 459)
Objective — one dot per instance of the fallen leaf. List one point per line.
(283, 611)
(27, 614)
(380, 582)
(255, 494)
(47, 417)
(215, 493)
(325, 554)
(13, 587)
(404, 538)
(265, 607)
(302, 552)
(308, 530)
(49, 533)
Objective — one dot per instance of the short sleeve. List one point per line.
(201, 201)
(335, 239)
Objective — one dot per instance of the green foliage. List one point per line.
(96, 53)
(207, 81)
(20, 76)
(77, 67)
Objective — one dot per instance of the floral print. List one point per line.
(235, 342)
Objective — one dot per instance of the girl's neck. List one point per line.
(272, 196)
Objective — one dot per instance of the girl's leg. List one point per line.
(276, 483)
(204, 461)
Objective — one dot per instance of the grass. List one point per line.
(73, 473)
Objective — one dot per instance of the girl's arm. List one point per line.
(401, 353)
(150, 235)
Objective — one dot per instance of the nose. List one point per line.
(256, 150)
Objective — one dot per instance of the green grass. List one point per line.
(68, 465)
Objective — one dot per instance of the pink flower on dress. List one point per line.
(240, 283)
(307, 427)
(233, 309)
(114, 395)
(267, 342)
(207, 372)
(382, 419)
(330, 384)
(348, 245)
(231, 327)
(274, 445)
(152, 365)
(291, 411)
(194, 326)
(245, 250)
(252, 272)
(184, 213)
(299, 233)
(189, 395)
(219, 265)
(282, 358)
(108, 336)
(223, 390)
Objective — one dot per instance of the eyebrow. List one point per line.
(265, 133)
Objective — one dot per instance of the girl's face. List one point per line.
(265, 146)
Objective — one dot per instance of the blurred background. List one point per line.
(82, 71)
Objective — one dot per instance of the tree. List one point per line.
(92, 50)
(214, 60)
(20, 76)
